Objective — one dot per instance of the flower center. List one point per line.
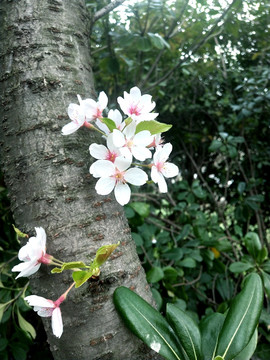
(119, 176)
(134, 109)
(98, 114)
(129, 143)
(111, 156)
(160, 166)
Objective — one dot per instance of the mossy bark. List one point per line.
(45, 62)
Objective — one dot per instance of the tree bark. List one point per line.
(45, 62)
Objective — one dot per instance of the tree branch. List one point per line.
(100, 13)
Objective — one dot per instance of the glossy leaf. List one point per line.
(187, 331)
(242, 318)
(248, 351)
(266, 282)
(147, 324)
(210, 328)
(155, 274)
(239, 266)
(253, 244)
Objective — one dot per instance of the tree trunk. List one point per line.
(46, 62)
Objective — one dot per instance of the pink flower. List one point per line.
(102, 152)
(47, 308)
(137, 106)
(133, 144)
(161, 169)
(83, 114)
(115, 176)
(33, 254)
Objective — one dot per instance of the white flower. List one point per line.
(137, 106)
(116, 117)
(47, 308)
(161, 168)
(83, 114)
(116, 176)
(131, 143)
(93, 109)
(33, 254)
(102, 152)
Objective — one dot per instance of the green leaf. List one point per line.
(188, 262)
(102, 255)
(153, 126)
(242, 318)
(241, 187)
(109, 123)
(19, 233)
(141, 208)
(249, 350)
(187, 331)
(240, 266)
(253, 244)
(266, 282)
(215, 145)
(2, 310)
(155, 274)
(147, 324)
(80, 277)
(25, 325)
(68, 266)
(157, 297)
(210, 327)
(137, 238)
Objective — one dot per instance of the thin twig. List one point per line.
(186, 283)
(106, 9)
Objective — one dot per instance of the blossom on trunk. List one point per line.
(133, 144)
(48, 308)
(33, 254)
(115, 176)
(86, 112)
(162, 169)
(137, 106)
(101, 152)
(116, 117)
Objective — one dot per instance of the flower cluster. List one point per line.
(33, 254)
(138, 137)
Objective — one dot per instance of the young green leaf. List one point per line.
(187, 331)
(153, 126)
(210, 328)
(242, 318)
(19, 233)
(80, 277)
(68, 266)
(147, 324)
(109, 123)
(239, 266)
(103, 254)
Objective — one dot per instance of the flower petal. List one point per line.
(41, 237)
(141, 153)
(158, 178)
(122, 193)
(102, 168)
(26, 268)
(57, 323)
(136, 176)
(34, 300)
(70, 128)
(118, 138)
(98, 151)
(105, 185)
(102, 100)
(122, 163)
(143, 138)
(129, 130)
(170, 170)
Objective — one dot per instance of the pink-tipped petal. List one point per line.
(170, 170)
(57, 323)
(34, 300)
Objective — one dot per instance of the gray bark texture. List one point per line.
(45, 62)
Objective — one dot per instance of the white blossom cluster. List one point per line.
(135, 137)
